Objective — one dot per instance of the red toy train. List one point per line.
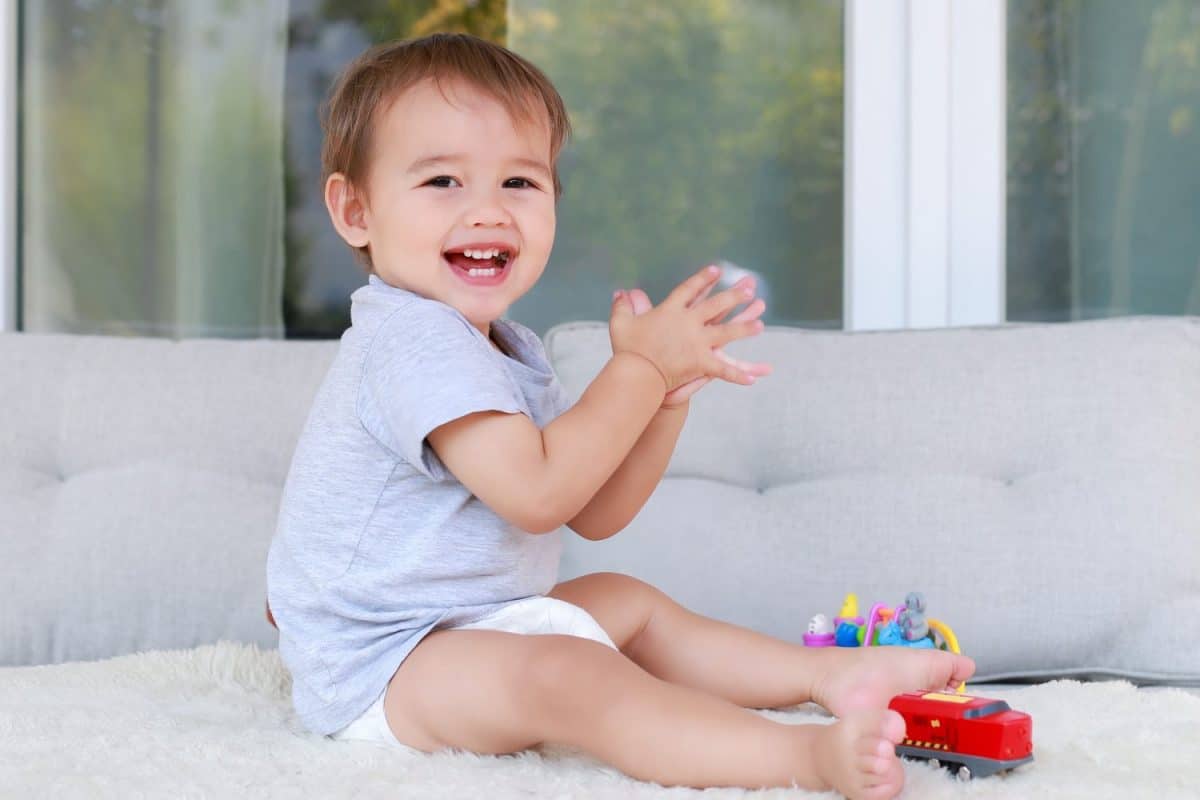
(973, 736)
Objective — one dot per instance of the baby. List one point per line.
(413, 573)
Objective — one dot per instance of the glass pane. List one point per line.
(1103, 172)
(324, 36)
(704, 132)
(152, 188)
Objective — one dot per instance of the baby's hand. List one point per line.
(677, 397)
(704, 332)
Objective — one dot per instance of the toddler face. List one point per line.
(491, 189)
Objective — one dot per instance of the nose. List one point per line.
(487, 210)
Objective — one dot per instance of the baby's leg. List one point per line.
(747, 667)
(496, 692)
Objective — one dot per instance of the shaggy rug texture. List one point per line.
(216, 721)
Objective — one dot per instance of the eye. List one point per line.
(435, 181)
(525, 181)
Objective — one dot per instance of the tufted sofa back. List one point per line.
(139, 482)
(1040, 484)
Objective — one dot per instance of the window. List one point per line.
(982, 162)
(703, 132)
(151, 193)
(1103, 172)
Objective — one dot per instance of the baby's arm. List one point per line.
(541, 479)
(622, 496)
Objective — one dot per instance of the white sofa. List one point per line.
(1040, 484)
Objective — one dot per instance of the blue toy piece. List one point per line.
(890, 634)
(846, 635)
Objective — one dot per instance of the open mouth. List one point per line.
(482, 263)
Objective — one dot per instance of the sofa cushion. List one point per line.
(1040, 484)
(139, 484)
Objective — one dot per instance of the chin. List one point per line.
(478, 313)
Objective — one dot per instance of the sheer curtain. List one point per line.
(152, 167)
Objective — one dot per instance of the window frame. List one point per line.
(925, 196)
(924, 191)
(9, 166)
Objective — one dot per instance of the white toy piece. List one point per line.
(820, 624)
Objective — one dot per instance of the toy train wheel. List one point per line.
(960, 771)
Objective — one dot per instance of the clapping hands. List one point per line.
(684, 335)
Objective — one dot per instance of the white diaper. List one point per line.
(532, 615)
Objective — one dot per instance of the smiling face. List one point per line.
(451, 176)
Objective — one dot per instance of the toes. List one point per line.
(948, 669)
(880, 732)
(876, 764)
(892, 727)
(964, 667)
(871, 747)
(961, 668)
(888, 785)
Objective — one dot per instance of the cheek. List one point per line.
(411, 218)
(543, 220)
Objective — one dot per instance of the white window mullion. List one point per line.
(928, 209)
(924, 172)
(978, 143)
(8, 166)
(875, 181)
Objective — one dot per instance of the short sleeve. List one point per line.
(425, 367)
(559, 399)
(533, 352)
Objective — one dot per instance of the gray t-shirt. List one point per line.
(377, 544)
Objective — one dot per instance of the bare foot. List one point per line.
(859, 678)
(857, 755)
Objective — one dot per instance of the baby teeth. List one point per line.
(474, 273)
(481, 253)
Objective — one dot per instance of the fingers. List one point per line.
(747, 372)
(716, 307)
(755, 368)
(690, 301)
(752, 311)
(742, 291)
(699, 298)
(685, 293)
(728, 371)
(721, 335)
(641, 302)
(621, 306)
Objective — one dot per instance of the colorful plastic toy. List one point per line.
(906, 626)
(971, 736)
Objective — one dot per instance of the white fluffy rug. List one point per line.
(216, 722)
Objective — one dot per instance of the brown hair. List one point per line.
(378, 76)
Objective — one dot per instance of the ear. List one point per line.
(347, 210)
